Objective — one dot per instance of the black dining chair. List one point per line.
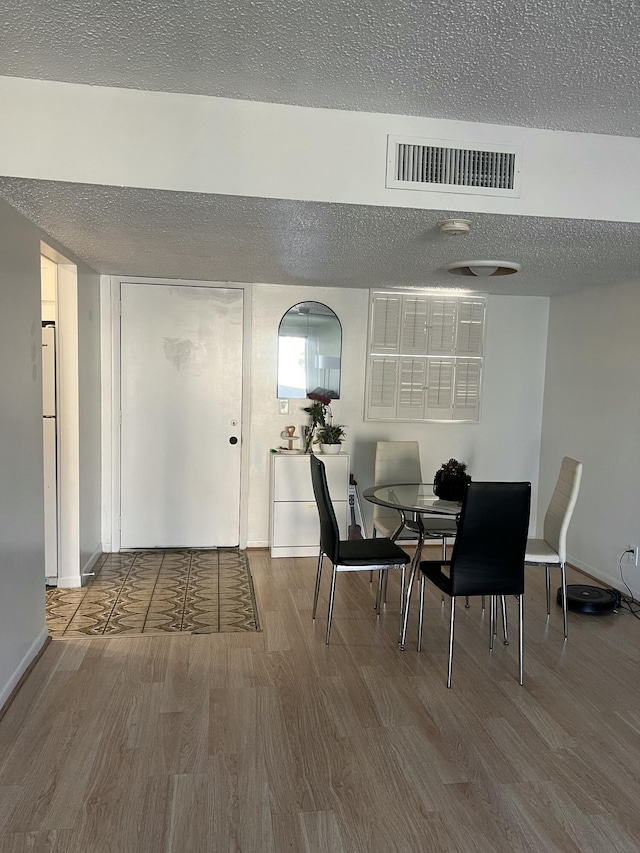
(488, 554)
(348, 555)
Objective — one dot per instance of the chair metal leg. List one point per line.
(318, 576)
(444, 560)
(565, 620)
(331, 597)
(492, 620)
(421, 614)
(375, 536)
(385, 583)
(453, 614)
(521, 637)
(505, 630)
(407, 604)
(415, 566)
(548, 588)
(403, 592)
(466, 602)
(378, 604)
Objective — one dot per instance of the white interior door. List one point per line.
(181, 396)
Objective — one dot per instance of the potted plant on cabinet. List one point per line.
(321, 429)
(330, 437)
(450, 481)
(319, 417)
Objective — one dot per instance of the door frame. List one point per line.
(110, 287)
(70, 570)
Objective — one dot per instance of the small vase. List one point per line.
(330, 449)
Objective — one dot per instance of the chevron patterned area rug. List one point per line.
(147, 593)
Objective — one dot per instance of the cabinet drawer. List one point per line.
(296, 524)
(292, 477)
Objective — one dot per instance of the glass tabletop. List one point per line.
(411, 497)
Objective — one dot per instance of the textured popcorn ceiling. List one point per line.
(559, 64)
(228, 238)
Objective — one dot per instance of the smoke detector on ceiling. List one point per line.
(483, 268)
(454, 227)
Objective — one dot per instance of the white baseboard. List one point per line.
(258, 543)
(86, 570)
(86, 574)
(610, 579)
(22, 667)
(69, 581)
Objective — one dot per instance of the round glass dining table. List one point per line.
(415, 500)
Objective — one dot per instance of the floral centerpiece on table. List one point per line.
(450, 481)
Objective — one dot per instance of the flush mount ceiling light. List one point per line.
(483, 269)
(454, 227)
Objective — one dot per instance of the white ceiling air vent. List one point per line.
(444, 166)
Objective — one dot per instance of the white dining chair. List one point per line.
(551, 550)
(399, 462)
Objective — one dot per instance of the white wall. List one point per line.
(592, 412)
(194, 143)
(22, 615)
(504, 445)
(22, 628)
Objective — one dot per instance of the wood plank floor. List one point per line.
(272, 741)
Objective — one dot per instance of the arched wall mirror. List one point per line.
(309, 351)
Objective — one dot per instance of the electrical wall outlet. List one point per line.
(633, 554)
(283, 407)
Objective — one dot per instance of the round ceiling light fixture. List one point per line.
(483, 269)
(454, 227)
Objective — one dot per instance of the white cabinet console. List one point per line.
(295, 529)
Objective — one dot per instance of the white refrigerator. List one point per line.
(50, 447)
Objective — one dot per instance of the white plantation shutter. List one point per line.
(415, 325)
(443, 325)
(413, 380)
(440, 390)
(385, 323)
(383, 385)
(466, 396)
(470, 326)
(425, 356)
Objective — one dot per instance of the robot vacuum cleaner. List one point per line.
(593, 600)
